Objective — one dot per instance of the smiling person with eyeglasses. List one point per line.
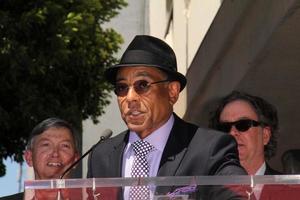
(147, 86)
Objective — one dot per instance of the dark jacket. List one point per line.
(18, 196)
(190, 151)
(271, 171)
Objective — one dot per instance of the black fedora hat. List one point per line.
(145, 50)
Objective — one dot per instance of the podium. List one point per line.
(278, 187)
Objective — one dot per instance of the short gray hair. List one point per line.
(52, 123)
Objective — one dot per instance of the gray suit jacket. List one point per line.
(190, 151)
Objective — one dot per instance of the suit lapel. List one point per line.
(116, 155)
(176, 147)
(170, 161)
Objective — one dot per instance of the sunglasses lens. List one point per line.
(224, 127)
(243, 125)
(141, 86)
(121, 89)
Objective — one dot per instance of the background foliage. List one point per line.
(52, 57)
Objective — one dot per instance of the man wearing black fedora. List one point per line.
(147, 86)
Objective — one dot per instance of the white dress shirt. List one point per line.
(158, 139)
(258, 188)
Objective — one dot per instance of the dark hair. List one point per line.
(265, 111)
(52, 123)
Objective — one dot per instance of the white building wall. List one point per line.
(200, 16)
(184, 30)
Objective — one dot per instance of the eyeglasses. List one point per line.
(240, 125)
(140, 87)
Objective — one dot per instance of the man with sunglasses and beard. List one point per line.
(253, 122)
(147, 86)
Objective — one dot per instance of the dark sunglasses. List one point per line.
(240, 125)
(140, 87)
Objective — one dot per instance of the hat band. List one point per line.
(134, 57)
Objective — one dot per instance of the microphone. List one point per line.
(105, 135)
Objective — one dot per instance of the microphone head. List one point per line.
(107, 133)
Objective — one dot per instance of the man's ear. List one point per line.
(28, 157)
(174, 90)
(266, 135)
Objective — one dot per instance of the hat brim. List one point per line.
(111, 73)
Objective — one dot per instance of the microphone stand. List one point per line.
(102, 138)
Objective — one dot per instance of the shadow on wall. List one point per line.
(201, 118)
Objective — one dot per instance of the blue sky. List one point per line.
(9, 183)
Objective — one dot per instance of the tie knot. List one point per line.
(142, 148)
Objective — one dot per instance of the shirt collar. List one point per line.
(261, 170)
(158, 138)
